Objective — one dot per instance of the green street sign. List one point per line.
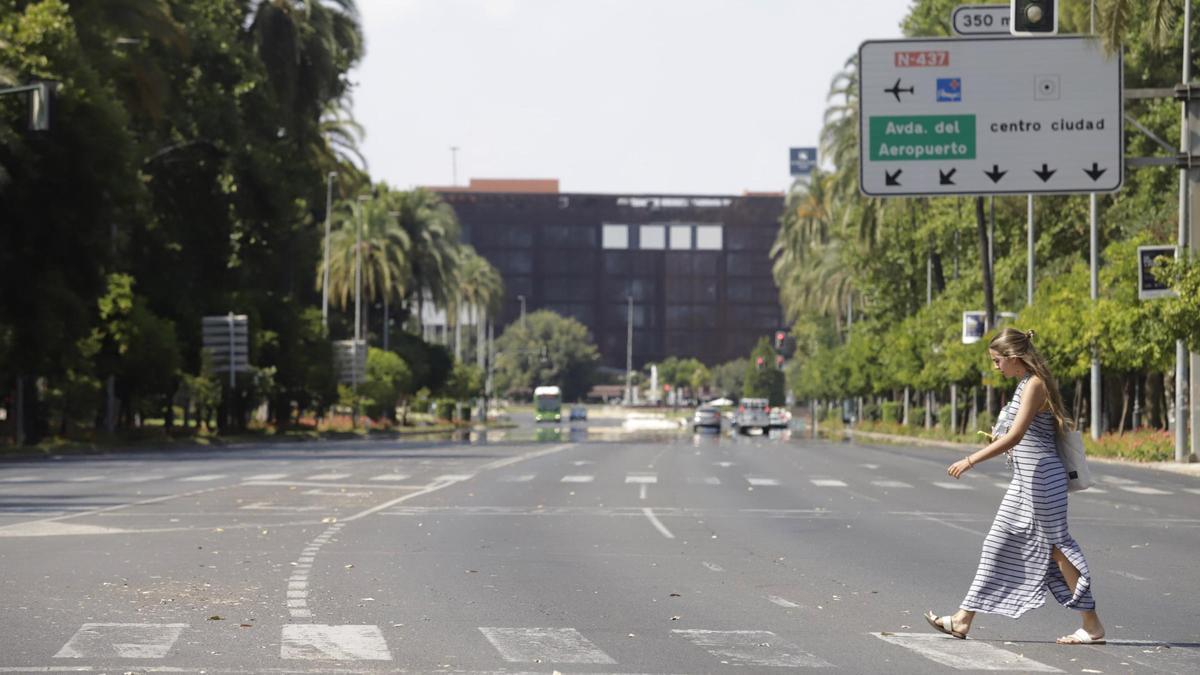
(922, 137)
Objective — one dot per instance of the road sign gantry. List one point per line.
(989, 116)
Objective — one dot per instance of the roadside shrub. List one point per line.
(445, 409)
(890, 411)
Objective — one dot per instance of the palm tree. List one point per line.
(306, 45)
(1115, 20)
(384, 254)
(433, 234)
(480, 290)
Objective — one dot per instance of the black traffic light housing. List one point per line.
(1033, 17)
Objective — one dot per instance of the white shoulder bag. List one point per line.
(1074, 459)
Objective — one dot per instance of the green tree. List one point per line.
(765, 380)
(388, 380)
(729, 377)
(546, 349)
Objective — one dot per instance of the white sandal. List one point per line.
(1081, 637)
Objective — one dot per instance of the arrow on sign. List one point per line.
(1095, 172)
(995, 174)
(947, 178)
(896, 90)
(1045, 173)
(891, 177)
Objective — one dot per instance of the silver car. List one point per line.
(707, 417)
(752, 413)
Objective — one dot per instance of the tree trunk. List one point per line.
(1124, 406)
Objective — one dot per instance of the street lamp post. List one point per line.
(362, 200)
(629, 354)
(325, 276)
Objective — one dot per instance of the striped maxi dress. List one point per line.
(1015, 568)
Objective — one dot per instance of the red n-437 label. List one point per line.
(927, 59)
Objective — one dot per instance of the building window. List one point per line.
(709, 238)
(681, 237)
(616, 236)
(652, 237)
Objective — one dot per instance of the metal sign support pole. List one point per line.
(1181, 354)
(629, 355)
(1095, 264)
(232, 357)
(1031, 245)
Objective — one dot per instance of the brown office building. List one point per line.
(697, 267)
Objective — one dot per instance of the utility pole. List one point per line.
(325, 275)
(1186, 215)
(362, 200)
(629, 353)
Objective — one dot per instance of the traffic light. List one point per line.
(759, 363)
(779, 361)
(1033, 17)
(780, 339)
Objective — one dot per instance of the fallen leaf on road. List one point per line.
(245, 625)
(214, 617)
(675, 595)
(675, 618)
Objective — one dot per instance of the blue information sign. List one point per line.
(802, 160)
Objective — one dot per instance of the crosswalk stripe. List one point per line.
(644, 478)
(268, 476)
(890, 484)
(521, 478)
(1144, 490)
(952, 486)
(390, 477)
(310, 641)
(203, 478)
(21, 479)
(122, 640)
(964, 654)
(328, 476)
(752, 648)
(544, 645)
(577, 479)
(827, 482)
(755, 481)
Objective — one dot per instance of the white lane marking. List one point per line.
(752, 648)
(202, 478)
(122, 640)
(890, 484)
(582, 462)
(1128, 575)
(297, 594)
(642, 491)
(544, 645)
(964, 654)
(952, 486)
(334, 643)
(723, 465)
(1144, 490)
(390, 477)
(267, 476)
(300, 613)
(1093, 490)
(85, 479)
(138, 479)
(872, 467)
(1002, 486)
(328, 476)
(268, 506)
(42, 528)
(335, 493)
(761, 481)
(21, 479)
(519, 478)
(454, 477)
(708, 480)
(577, 479)
(1117, 480)
(1195, 491)
(713, 567)
(657, 523)
(782, 602)
(641, 478)
(827, 482)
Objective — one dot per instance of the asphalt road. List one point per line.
(702, 554)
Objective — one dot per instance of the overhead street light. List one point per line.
(41, 98)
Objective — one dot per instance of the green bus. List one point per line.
(547, 403)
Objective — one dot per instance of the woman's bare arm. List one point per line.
(1032, 400)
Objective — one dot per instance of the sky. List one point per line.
(608, 96)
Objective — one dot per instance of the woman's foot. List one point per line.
(955, 624)
(1083, 637)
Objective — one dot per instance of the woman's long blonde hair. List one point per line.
(1019, 344)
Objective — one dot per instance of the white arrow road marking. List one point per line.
(752, 648)
(122, 640)
(964, 654)
(890, 484)
(544, 645)
(334, 643)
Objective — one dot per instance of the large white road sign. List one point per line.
(989, 116)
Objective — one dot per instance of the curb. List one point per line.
(1188, 469)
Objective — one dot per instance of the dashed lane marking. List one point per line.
(203, 478)
(519, 478)
(899, 484)
(577, 479)
(328, 476)
(964, 654)
(393, 477)
(122, 640)
(1144, 490)
(945, 485)
(752, 648)
(544, 645)
(827, 482)
(782, 602)
(21, 479)
(267, 476)
(759, 482)
(643, 478)
(333, 643)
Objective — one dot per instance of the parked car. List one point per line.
(578, 412)
(779, 417)
(707, 417)
(752, 413)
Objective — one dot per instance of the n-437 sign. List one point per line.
(989, 116)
